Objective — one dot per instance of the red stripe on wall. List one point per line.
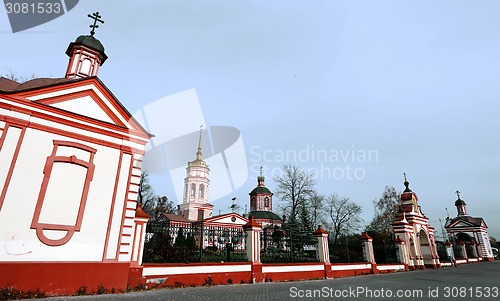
(12, 163)
(125, 202)
(117, 178)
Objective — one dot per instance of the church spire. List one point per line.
(198, 153)
(260, 178)
(460, 204)
(406, 183)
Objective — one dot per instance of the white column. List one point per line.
(322, 250)
(252, 240)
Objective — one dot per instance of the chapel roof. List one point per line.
(10, 86)
(90, 42)
(176, 218)
(260, 189)
(475, 221)
(264, 215)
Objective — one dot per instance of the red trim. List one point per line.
(125, 208)
(108, 132)
(14, 159)
(68, 114)
(77, 84)
(53, 130)
(365, 236)
(137, 232)
(80, 94)
(320, 231)
(53, 158)
(79, 137)
(113, 200)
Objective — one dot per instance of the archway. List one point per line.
(466, 239)
(425, 247)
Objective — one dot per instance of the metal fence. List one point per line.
(282, 246)
(384, 251)
(442, 253)
(346, 249)
(194, 242)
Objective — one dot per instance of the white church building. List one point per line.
(70, 162)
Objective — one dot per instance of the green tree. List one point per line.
(180, 239)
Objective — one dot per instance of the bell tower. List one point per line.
(261, 198)
(195, 204)
(86, 53)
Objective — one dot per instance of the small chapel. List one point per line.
(469, 233)
(70, 157)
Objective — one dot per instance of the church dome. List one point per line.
(459, 202)
(90, 42)
(260, 189)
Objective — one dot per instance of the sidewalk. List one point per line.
(469, 279)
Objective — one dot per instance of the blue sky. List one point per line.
(416, 82)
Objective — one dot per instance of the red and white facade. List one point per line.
(413, 233)
(70, 162)
(465, 229)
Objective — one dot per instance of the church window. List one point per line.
(62, 164)
(185, 191)
(266, 202)
(193, 190)
(201, 193)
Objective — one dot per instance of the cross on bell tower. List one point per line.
(97, 18)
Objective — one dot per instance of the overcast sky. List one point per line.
(385, 87)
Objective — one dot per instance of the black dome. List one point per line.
(90, 42)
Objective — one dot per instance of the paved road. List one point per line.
(465, 282)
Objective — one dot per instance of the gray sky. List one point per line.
(413, 83)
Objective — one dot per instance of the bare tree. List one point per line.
(317, 207)
(19, 79)
(386, 208)
(294, 187)
(343, 216)
(162, 205)
(145, 193)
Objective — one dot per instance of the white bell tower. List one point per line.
(195, 204)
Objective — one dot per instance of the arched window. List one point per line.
(266, 202)
(201, 193)
(185, 191)
(193, 190)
